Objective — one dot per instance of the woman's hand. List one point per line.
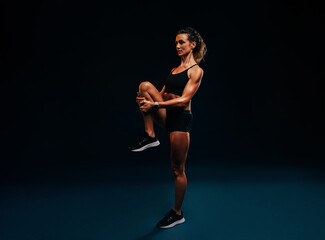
(144, 105)
(139, 99)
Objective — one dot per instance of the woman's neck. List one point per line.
(188, 60)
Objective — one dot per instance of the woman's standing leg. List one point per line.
(179, 142)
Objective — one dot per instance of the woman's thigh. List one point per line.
(179, 142)
(151, 93)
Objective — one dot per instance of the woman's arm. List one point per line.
(189, 91)
(182, 101)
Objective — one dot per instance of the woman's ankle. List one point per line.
(151, 134)
(178, 212)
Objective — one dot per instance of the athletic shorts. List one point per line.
(178, 120)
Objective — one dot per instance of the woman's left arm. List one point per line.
(190, 89)
(182, 101)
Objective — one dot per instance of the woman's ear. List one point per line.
(193, 45)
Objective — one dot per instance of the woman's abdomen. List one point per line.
(169, 96)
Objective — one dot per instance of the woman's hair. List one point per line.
(193, 36)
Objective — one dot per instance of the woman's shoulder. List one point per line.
(195, 71)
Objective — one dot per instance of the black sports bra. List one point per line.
(175, 83)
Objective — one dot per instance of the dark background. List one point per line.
(71, 70)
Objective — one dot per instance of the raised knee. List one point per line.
(144, 86)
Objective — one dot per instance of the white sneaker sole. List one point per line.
(174, 223)
(153, 144)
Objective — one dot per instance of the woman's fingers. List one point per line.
(143, 101)
(143, 105)
(139, 99)
(142, 109)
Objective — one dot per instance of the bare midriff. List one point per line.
(169, 96)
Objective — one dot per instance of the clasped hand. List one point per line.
(144, 105)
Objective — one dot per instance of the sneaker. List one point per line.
(144, 142)
(170, 220)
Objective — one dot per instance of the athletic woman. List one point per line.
(171, 109)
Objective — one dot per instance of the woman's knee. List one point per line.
(145, 86)
(178, 171)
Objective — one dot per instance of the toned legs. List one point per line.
(150, 92)
(179, 142)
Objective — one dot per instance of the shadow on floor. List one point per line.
(150, 235)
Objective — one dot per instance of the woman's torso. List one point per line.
(175, 84)
(169, 96)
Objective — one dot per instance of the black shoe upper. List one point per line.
(169, 218)
(142, 141)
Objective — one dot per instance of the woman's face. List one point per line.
(183, 45)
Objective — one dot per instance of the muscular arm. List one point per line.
(189, 90)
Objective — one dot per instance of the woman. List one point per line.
(171, 109)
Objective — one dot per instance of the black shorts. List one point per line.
(178, 120)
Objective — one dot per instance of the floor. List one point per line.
(224, 200)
